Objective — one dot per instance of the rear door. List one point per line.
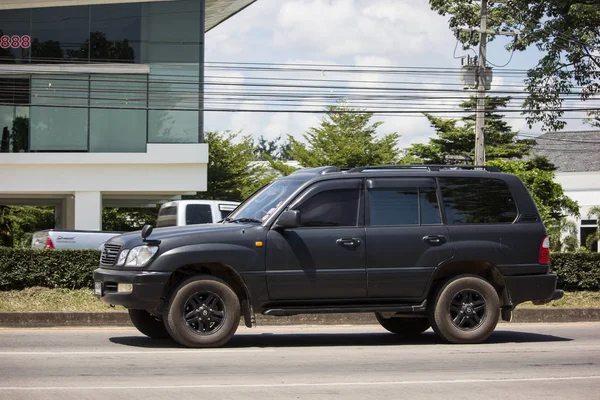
(405, 235)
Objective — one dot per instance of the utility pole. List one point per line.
(481, 73)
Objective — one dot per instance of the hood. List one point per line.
(132, 239)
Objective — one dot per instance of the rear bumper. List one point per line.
(540, 289)
(147, 290)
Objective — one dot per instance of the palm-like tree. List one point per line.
(593, 213)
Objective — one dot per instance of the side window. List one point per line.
(337, 207)
(398, 206)
(402, 206)
(477, 201)
(430, 208)
(198, 214)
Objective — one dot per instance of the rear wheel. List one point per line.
(406, 327)
(203, 312)
(466, 310)
(148, 324)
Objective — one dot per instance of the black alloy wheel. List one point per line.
(204, 313)
(467, 310)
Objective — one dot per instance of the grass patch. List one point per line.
(570, 299)
(43, 299)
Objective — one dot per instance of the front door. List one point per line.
(324, 258)
(406, 237)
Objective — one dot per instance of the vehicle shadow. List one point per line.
(337, 339)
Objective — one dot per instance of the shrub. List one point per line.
(576, 271)
(69, 269)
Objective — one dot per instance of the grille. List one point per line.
(110, 254)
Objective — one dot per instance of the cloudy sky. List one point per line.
(394, 33)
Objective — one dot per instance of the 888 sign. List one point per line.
(15, 42)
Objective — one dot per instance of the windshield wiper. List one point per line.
(241, 220)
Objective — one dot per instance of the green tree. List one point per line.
(591, 240)
(548, 195)
(18, 223)
(266, 148)
(345, 138)
(567, 32)
(232, 171)
(127, 219)
(455, 140)
(563, 235)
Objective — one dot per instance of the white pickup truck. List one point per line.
(174, 213)
(190, 212)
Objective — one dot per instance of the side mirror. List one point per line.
(289, 219)
(146, 231)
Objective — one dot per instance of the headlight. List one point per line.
(122, 257)
(139, 256)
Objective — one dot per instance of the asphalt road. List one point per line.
(528, 361)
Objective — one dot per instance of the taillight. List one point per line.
(545, 251)
(49, 244)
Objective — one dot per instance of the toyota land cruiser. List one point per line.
(452, 248)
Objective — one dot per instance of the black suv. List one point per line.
(449, 247)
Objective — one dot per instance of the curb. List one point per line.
(119, 318)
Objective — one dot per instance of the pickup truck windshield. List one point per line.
(263, 203)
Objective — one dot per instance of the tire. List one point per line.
(405, 327)
(212, 309)
(466, 310)
(148, 324)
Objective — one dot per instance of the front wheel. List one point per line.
(148, 324)
(406, 327)
(202, 312)
(466, 310)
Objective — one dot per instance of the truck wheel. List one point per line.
(202, 312)
(466, 310)
(148, 324)
(406, 327)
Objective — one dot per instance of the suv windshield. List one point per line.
(264, 202)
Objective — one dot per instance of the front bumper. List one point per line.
(540, 289)
(147, 290)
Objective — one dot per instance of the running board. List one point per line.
(402, 308)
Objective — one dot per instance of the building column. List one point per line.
(88, 211)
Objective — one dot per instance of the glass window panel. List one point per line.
(15, 23)
(477, 201)
(171, 32)
(59, 113)
(115, 32)
(174, 87)
(331, 208)
(198, 214)
(430, 209)
(60, 33)
(394, 206)
(118, 130)
(7, 114)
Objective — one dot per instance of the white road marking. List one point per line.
(302, 384)
(101, 353)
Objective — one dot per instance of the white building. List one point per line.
(100, 100)
(577, 157)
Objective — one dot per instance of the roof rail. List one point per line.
(317, 171)
(428, 167)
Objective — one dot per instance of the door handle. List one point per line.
(348, 242)
(434, 239)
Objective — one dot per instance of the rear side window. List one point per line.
(337, 207)
(198, 214)
(167, 216)
(402, 206)
(477, 201)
